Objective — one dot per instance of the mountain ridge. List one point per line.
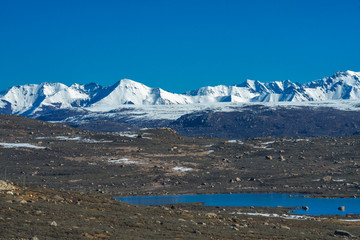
(32, 99)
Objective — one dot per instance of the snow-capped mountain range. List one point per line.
(32, 99)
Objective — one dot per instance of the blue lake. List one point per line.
(317, 206)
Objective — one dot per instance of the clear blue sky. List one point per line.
(177, 45)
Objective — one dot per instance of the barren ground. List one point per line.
(69, 179)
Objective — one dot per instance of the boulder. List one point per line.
(343, 233)
(341, 208)
(327, 179)
(4, 186)
(53, 223)
(305, 208)
(211, 215)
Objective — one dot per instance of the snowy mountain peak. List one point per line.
(345, 73)
(36, 98)
(248, 83)
(348, 78)
(33, 97)
(130, 83)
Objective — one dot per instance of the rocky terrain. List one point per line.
(41, 213)
(161, 161)
(65, 175)
(262, 121)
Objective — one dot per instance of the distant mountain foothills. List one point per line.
(325, 107)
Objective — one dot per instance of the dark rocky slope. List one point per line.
(260, 121)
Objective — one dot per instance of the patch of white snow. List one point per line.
(64, 138)
(339, 180)
(210, 151)
(128, 134)
(263, 147)
(283, 216)
(182, 169)
(350, 220)
(20, 145)
(123, 161)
